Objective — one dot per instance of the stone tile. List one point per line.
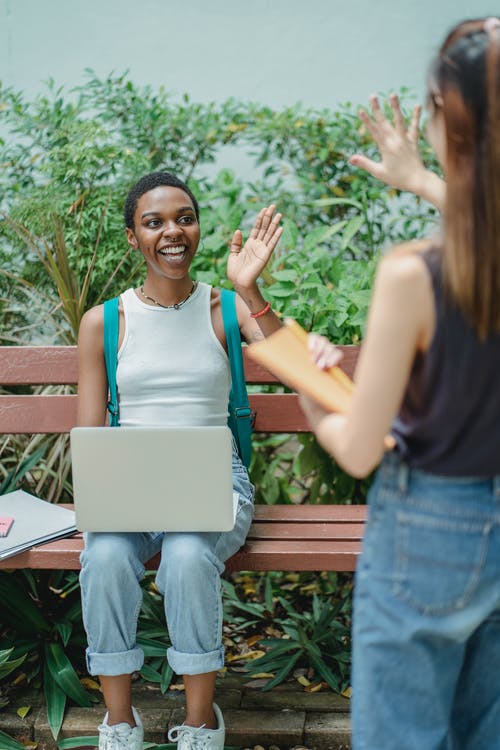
(287, 696)
(231, 680)
(330, 731)
(145, 697)
(85, 721)
(25, 695)
(77, 721)
(20, 729)
(248, 728)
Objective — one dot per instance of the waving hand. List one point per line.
(246, 261)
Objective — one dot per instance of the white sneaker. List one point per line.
(199, 738)
(121, 736)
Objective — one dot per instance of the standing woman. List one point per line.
(172, 370)
(426, 630)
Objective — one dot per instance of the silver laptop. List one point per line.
(152, 479)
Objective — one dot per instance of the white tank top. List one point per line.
(172, 369)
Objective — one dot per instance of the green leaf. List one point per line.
(280, 676)
(150, 674)
(351, 229)
(64, 629)
(55, 699)
(268, 593)
(63, 673)
(72, 742)
(321, 234)
(325, 672)
(19, 609)
(286, 275)
(338, 202)
(9, 743)
(16, 475)
(7, 666)
(167, 674)
(290, 235)
(152, 647)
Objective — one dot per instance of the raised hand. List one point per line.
(246, 261)
(400, 165)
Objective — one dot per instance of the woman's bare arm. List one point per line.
(92, 380)
(400, 323)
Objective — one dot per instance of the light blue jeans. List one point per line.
(426, 630)
(188, 576)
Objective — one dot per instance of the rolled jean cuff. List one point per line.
(183, 663)
(110, 665)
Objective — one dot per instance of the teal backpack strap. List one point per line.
(240, 418)
(111, 357)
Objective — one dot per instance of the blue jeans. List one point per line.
(426, 629)
(188, 576)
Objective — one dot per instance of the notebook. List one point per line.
(34, 521)
(153, 478)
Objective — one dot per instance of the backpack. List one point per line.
(241, 417)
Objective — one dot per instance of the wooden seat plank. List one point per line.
(312, 513)
(303, 531)
(57, 365)
(40, 414)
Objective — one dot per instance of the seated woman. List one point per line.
(168, 327)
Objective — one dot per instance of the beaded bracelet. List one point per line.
(261, 312)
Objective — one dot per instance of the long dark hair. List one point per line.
(465, 83)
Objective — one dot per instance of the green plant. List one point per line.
(316, 637)
(308, 616)
(8, 665)
(41, 624)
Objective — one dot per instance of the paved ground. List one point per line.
(286, 717)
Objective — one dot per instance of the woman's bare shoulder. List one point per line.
(92, 326)
(404, 263)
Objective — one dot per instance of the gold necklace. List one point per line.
(169, 307)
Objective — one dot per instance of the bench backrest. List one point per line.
(57, 365)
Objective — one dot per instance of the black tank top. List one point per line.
(449, 422)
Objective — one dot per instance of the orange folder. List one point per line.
(286, 355)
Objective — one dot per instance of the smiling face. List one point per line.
(166, 231)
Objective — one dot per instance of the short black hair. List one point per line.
(150, 182)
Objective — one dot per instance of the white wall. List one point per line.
(274, 51)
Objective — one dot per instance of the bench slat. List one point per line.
(313, 513)
(293, 555)
(304, 531)
(300, 513)
(273, 554)
(35, 414)
(57, 365)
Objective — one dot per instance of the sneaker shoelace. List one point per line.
(194, 738)
(115, 736)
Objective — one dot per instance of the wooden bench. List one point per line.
(282, 537)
